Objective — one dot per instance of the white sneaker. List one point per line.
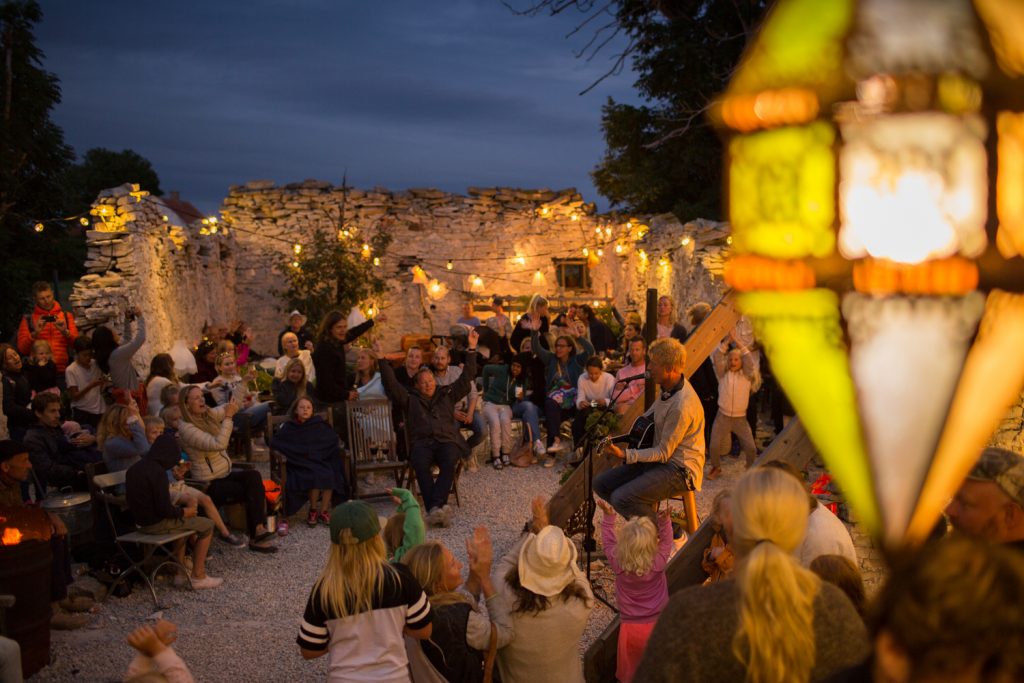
(556, 447)
(206, 583)
(538, 447)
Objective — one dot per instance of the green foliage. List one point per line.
(33, 161)
(609, 422)
(331, 273)
(663, 155)
(103, 168)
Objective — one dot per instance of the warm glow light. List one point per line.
(449, 265)
(38, 227)
(618, 249)
(586, 252)
(165, 218)
(436, 290)
(295, 264)
(366, 251)
(419, 276)
(11, 536)
(538, 279)
(685, 241)
(600, 252)
(520, 260)
(642, 254)
(545, 211)
(913, 188)
(574, 216)
(297, 248)
(476, 284)
(84, 221)
(376, 260)
(1010, 184)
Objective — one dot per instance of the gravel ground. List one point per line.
(246, 629)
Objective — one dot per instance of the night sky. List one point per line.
(401, 93)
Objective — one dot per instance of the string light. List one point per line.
(165, 218)
(449, 265)
(38, 227)
(297, 248)
(600, 252)
(618, 249)
(685, 241)
(586, 252)
(366, 250)
(295, 264)
(376, 260)
(538, 279)
(84, 221)
(574, 216)
(728, 240)
(545, 211)
(521, 260)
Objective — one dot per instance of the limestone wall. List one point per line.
(180, 277)
(504, 236)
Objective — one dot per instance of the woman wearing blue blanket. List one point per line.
(315, 470)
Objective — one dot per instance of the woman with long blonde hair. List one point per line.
(775, 622)
(457, 650)
(121, 437)
(361, 605)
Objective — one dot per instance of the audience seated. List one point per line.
(601, 336)
(461, 637)
(360, 622)
(57, 459)
(593, 392)
(367, 380)
(229, 386)
(115, 357)
(434, 438)
(150, 503)
(466, 414)
(161, 375)
(40, 369)
(17, 392)
(49, 322)
(550, 599)
(206, 362)
(293, 351)
(776, 621)
(505, 397)
(121, 437)
(289, 387)
(297, 327)
(204, 434)
(562, 370)
(314, 463)
(951, 612)
(86, 384)
(636, 364)
(537, 309)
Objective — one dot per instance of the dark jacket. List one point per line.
(284, 393)
(41, 377)
(601, 336)
(148, 495)
(434, 417)
(17, 396)
(447, 648)
(521, 333)
(55, 460)
(332, 383)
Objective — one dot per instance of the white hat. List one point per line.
(547, 562)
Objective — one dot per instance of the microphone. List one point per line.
(627, 380)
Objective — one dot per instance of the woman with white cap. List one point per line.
(551, 601)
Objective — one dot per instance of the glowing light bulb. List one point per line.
(38, 227)
(600, 252)
(213, 219)
(295, 264)
(376, 260)
(586, 252)
(521, 260)
(84, 221)
(642, 254)
(297, 248)
(370, 311)
(165, 218)
(545, 211)
(574, 216)
(685, 241)
(618, 249)
(449, 265)
(728, 240)
(597, 230)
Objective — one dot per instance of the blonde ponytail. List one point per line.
(775, 636)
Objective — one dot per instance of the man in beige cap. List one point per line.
(990, 502)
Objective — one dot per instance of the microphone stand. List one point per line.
(587, 444)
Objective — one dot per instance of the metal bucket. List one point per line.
(74, 509)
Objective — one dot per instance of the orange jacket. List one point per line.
(60, 343)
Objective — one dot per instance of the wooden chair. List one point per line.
(412, 485)
(372, 442)
(104, 487)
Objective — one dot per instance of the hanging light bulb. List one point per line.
(663, 262)
(376, 260)
(538, 279)
(213, 220)
(521, 260)
(608, 230)
(574, 216)
(165, 218)
(295, 264)
(586, 252)
(545, 211)
(597, 230)
(366, 250)
(84, 221)
(728, 240)
(449, 265)
(642, 254)
(618, 249)
(38, 227)
(685, 241)
(600, 252)
(419, 276)
(297, 248)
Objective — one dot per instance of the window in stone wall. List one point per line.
(572, 274)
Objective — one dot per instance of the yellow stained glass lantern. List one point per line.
(875, 163)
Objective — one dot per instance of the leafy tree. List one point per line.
(33, 160)
(332, 273)
(103, 168)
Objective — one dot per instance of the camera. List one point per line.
(593, 404)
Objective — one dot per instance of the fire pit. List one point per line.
(25, 561)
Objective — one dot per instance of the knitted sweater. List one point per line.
(693, 638)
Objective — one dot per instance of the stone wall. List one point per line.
(505, 236)
(140, 253)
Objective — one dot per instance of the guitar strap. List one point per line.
(666, 395)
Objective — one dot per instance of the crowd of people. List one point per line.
(783, 599)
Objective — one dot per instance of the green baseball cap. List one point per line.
(358, 518)
(1003, 468)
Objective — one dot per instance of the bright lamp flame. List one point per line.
(11, 536)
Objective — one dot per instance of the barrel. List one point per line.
(25, 574)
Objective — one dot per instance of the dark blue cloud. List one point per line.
(402, 93)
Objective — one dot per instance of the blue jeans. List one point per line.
(636, 489)
(529, 413)
(478, 428)
(445, 456)
(255, 415)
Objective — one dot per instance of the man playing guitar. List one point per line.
(675, 462)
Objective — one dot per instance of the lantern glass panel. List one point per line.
(905, 358)
(922, 36)
(1010, 184)
(992, 379)
(802, 338)
(913, 187)
(781, 192)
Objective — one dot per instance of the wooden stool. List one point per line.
(689, 502)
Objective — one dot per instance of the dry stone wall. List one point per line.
(141, 254)
(504, 236)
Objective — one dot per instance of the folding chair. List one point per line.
(103, 485)
(372, 442)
